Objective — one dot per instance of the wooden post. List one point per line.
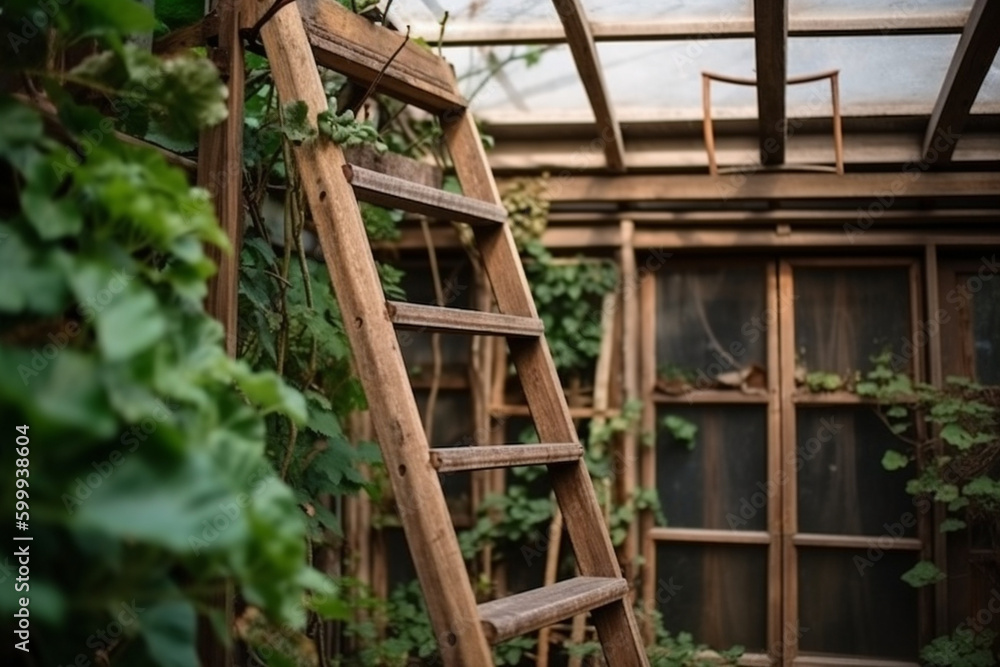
(220, 171)
(630, 377)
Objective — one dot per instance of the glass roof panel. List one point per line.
(662, 80)
(890, 74)
(683, 10)
(473, 12)
(800, 9)
(988, 100)
(552, 85)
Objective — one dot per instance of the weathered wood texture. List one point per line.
(421, 502)
(771, 49)
(531, 610)
(455, 320)
(572, 485)
(220, 171)
(875, 23)
(452, 459)
(588, 64)
(976, 51)
(765, 186)
(359, 49)
(391, 192)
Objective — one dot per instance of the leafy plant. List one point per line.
(962, 648)
(821, 381)
(961, 444)
(569, 297)
(681, 430)
(682, 650)
(148, 470)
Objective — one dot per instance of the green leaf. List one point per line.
(893, 460)
(183, 506)
(951, 524)
(32, 280)
(955, 435)
(170, 632)
(295, 124)
(922, 574)
(269, 392)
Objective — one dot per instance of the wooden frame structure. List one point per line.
(772, 122)
(719, 213)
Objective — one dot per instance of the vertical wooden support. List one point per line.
(935, 376)
(774, 472)
(771, 46)
(344, 242)
(630, 384)
(647, 346)
(220, 171)
(789, 515)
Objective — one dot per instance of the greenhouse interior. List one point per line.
(364, 333)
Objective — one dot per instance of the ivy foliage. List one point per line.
(962, 441)
(148, 469)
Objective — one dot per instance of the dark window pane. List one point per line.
(842, 486)
(456, 282)
(453, 427)
(711, 321)
(986, 327)
(853, 602)
(717, 593)
(843, 317)
(722, 482)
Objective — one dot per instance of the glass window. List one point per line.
(717, 593)
(844, 316)
(985, 327)
(710, 322)
(853, 602)
(842, 487)
(456, 285)
(729, 457)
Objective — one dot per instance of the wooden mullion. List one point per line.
(647, 463)
(789, 494)
(775, 471)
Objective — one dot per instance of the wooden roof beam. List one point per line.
(771, 47)
(975, 53)
(658, 29)
(581, 43)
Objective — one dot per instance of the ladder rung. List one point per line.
(456, 320)
(451, 459)
(391, 192)
(525, 612)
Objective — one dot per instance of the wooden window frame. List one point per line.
(783, 399)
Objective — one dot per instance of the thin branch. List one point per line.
(378, 78)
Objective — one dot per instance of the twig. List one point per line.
(253, 33)
(444, 22)
(293, 434)
(385, 14)
(381, 73)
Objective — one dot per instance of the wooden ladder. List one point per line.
(296, 38)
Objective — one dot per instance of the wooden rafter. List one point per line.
(771, 46)
(889, 186)
(581, 43)
(889, 23)
(975, 53)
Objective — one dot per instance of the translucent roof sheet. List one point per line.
(886, 74)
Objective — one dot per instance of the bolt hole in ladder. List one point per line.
(296, 38)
